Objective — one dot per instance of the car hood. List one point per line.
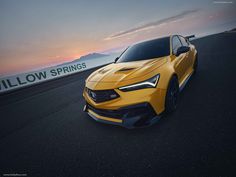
(118, 72)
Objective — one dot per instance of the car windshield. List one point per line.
(146, 50)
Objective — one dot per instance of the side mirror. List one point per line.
(117, 58)
(182, 49)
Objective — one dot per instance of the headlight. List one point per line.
(150, 83)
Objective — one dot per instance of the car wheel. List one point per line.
(172, 95)
(195, 65)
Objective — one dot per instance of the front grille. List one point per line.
(107, 113)
(99, 96)
(143, 111)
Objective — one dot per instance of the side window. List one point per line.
(175, 44)
(183, 41)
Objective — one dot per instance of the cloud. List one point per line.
(152, 24)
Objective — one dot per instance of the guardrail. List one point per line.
(10, 83)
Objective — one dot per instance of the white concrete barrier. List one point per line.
(13, 82)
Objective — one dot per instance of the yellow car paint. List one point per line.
(104, 118)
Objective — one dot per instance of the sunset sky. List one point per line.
(37, 33)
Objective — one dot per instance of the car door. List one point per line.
(189, 54)
(180, 64)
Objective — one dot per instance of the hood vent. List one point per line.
(126, 69)
(103, 71)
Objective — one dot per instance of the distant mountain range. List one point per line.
(91, 56)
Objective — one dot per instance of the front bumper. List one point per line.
(137, 115)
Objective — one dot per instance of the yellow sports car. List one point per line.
(142, 84)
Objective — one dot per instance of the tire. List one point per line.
(172, 95)
(195, 65)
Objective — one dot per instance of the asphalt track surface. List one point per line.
(43, 131)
